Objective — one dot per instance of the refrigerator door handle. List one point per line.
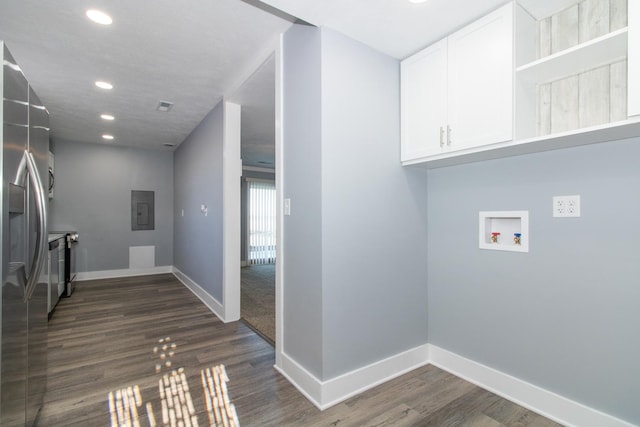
(28, 164)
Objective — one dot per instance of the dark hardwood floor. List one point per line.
(113, 341)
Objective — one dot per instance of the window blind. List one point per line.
(262, 222)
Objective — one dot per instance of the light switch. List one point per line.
(287, 207)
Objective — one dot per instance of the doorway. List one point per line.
(258, 275)
(258, 199)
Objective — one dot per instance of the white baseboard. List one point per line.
(125, 272)
(537, 399)
(303, 380)
(325, 394)
(213, 304)
(355, 382)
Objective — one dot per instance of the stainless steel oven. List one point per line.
(55, 271)
(71, 243)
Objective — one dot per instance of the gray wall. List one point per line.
(373, 213)
(302, 275)
(564, 316)
(198, 181)
(355, 243)
(93, 195)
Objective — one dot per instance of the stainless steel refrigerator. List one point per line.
(23, 162)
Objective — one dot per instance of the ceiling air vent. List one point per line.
(164, 106)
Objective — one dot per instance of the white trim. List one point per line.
(125, 272)
(324, 394)
(355, 382)
(303, 380)
(212, 303)
(537, 399)
(280, 257)
(234, 84)
(231, 173)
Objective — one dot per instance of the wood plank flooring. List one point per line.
(105, 338)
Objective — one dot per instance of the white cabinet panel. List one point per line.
(480, 109)
(424, 95)
(458, 93)
(576, 82)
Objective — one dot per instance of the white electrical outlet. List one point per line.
(566, 206)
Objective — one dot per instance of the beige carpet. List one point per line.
(258, 299)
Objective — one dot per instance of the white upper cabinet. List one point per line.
(533, 76)
(458, 93)
(424, 98)
(480, 109)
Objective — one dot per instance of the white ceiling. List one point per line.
(400, 28)
(395, 27)
(193, 53)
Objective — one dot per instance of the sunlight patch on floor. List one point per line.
(177, 408)
(221, 411)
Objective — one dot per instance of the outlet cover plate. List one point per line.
(566, 206)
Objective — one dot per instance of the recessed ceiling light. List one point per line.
(109, 137)
(99, 17)
(104, 85)
(107, 117)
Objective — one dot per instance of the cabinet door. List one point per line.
(423, 102)
(480, 103)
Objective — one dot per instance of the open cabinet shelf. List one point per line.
(603, 50)
(586, 84)
(576, 81)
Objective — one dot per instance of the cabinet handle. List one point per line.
(441, 137)
(448, 135)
